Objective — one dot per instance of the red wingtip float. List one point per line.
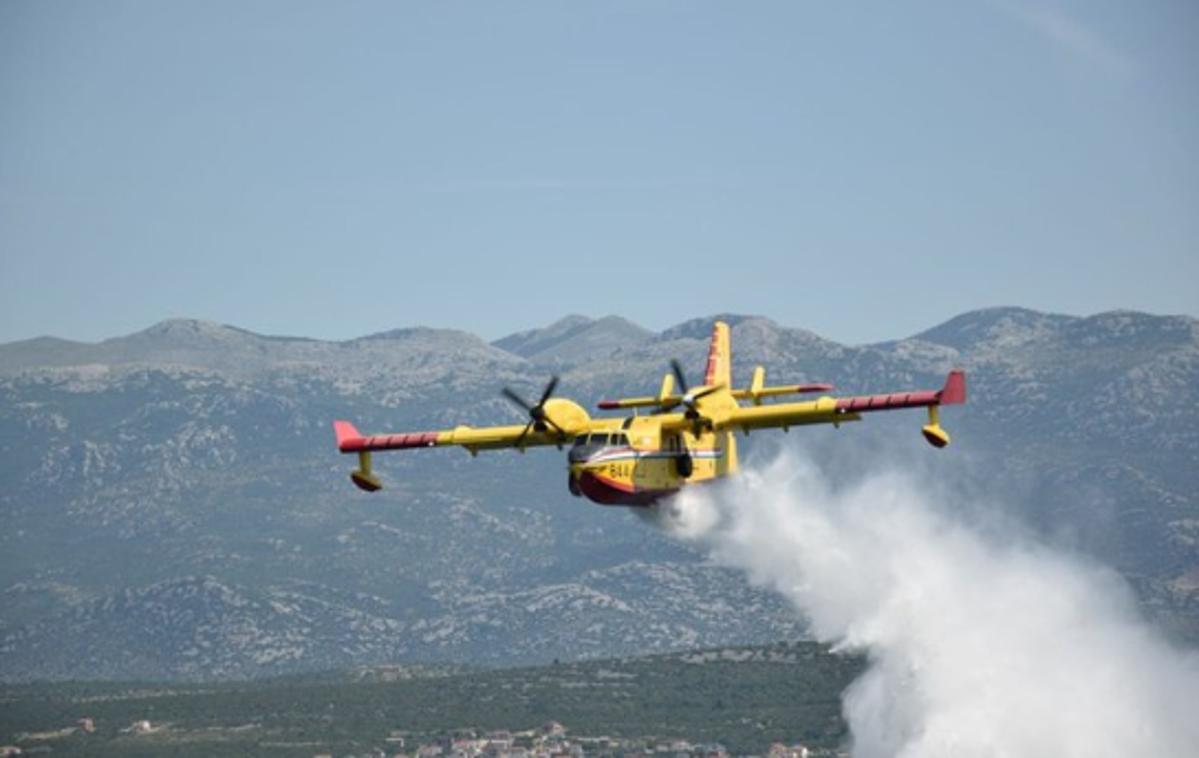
(689, 437)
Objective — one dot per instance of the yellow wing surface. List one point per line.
(566, 421)
(716, 409)
(833, 410)
(716, 406)
(555, 422)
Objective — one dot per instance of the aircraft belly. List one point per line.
(607, 491)
(641, 478)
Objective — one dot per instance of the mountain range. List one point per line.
(172, 505)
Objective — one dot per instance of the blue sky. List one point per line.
(865, 170)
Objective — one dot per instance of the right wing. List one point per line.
(834, 410)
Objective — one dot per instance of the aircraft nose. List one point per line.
(583, 453)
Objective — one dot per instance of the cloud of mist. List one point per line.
(979, 644)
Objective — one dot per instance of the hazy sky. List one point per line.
(333, 169)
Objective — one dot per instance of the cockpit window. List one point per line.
(619, 439)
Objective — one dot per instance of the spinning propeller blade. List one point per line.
(539, 420)
(678, 375)
(687, 398)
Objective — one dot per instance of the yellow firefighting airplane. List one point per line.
(637, 460)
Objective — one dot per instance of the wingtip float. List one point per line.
(689, 437)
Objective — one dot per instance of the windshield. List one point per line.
(618, 439)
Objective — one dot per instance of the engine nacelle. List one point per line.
(567, 415)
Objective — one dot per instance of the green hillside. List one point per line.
(743, 698)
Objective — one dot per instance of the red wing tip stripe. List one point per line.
(885, 402)
(416, 439)
(390, 442)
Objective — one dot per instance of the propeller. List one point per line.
(679, 376)
(687, 398)
(691, 402)
(539, 420)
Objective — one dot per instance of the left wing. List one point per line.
(350, 440)
(555, 422)
(831, 410)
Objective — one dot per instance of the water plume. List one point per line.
(980, 641)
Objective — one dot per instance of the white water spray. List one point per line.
(977, 645)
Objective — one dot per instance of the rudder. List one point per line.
(720, 369)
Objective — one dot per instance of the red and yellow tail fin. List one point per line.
(720, 368)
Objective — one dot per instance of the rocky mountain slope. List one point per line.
(172, 506)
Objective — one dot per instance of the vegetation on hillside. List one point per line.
(743, 698)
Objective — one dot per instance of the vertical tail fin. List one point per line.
(720, 369)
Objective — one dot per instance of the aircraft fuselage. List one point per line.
(639, 463)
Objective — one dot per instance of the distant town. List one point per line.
(552, 740)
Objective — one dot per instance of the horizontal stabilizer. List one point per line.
(639, 402)
(757, 393)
